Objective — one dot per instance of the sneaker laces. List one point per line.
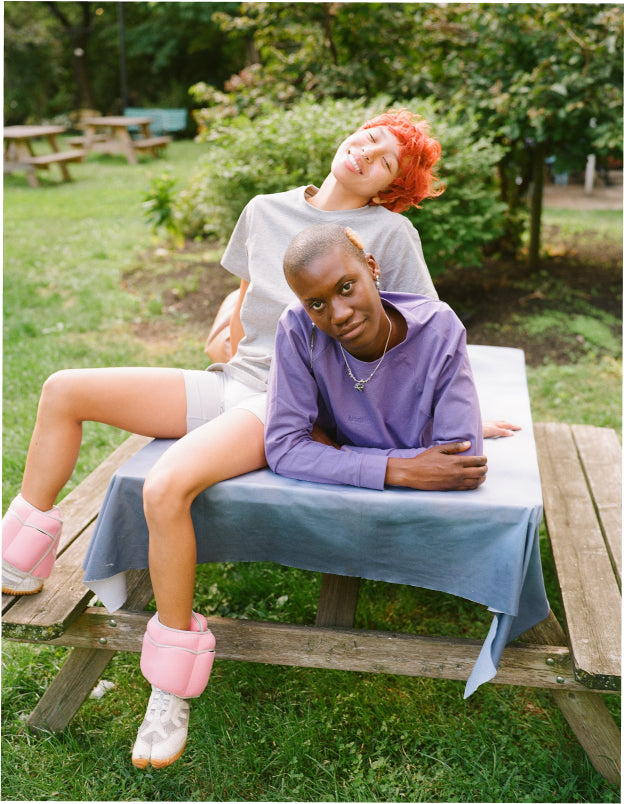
(159, 703)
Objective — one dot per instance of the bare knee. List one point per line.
(165, 494)
(56, 392)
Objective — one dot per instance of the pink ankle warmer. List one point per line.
(30, 537)
(178, 661)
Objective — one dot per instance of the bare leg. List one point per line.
(230, 445)
(140, 400)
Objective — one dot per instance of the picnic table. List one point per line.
(111, 135)
(19, 155)
(482, 545)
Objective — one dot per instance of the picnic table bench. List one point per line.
(115, 137)
(581, 482)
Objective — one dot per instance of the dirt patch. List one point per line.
(180, 292)
(569, 308)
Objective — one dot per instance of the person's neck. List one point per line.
(332, 197)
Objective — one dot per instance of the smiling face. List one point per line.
(339, 294)
(367, 163)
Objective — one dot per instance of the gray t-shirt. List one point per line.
(256, 250)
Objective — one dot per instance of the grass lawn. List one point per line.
(259, 732)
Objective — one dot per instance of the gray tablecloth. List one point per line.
(481, 545)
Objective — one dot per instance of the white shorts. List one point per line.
(211, 393)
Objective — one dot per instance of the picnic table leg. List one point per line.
(82, 669)
(126, 140)
(63, 167)
(21, 152)
(586, 712)
(337, 601)
(69, 689)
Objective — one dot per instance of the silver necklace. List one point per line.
(359, 384)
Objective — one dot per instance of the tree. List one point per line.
(544, 79)
(339, 50)
(169, 46)
(78, 30)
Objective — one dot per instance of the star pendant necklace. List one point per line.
(359, 384)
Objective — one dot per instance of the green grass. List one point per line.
(605, 223)
(260, 732)
(65, 249)
(263, 733)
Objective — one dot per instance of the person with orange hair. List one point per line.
(418, 154)
(402, 178)
(217, 415)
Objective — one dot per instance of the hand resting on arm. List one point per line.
(439, 468)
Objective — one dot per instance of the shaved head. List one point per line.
(318, 241)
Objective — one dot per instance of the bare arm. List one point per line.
(237, 333)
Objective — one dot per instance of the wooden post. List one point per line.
(82, 669)
(337, 601)
(586, 712)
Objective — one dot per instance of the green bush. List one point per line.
(282, 149)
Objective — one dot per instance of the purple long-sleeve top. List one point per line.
(422, 394)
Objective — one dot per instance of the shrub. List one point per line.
(282, 149)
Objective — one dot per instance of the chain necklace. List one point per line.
(359, 384)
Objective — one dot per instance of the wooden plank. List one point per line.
(43, 160)
(601, 456)
(591, 598)
(80, 142)
(151, 142)
(337, 600)
(46, 610)
(337, 649)
(69, 689)
(64, 596)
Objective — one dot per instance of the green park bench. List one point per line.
(164, 121)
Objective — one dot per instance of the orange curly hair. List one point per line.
(418, 154)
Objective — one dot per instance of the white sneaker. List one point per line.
(162, 735)
(18, 582)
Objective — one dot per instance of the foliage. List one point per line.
(158, 206)
(317, 49)
(540, 79)
(282, 149)
(168, 46)
(457, 228)
(37, 76)
(543, 79)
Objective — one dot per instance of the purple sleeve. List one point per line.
(457, 415)
(292, 410)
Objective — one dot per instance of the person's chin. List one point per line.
(350, 338)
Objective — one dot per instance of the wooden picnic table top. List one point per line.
(28, 132)
(116, 121)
